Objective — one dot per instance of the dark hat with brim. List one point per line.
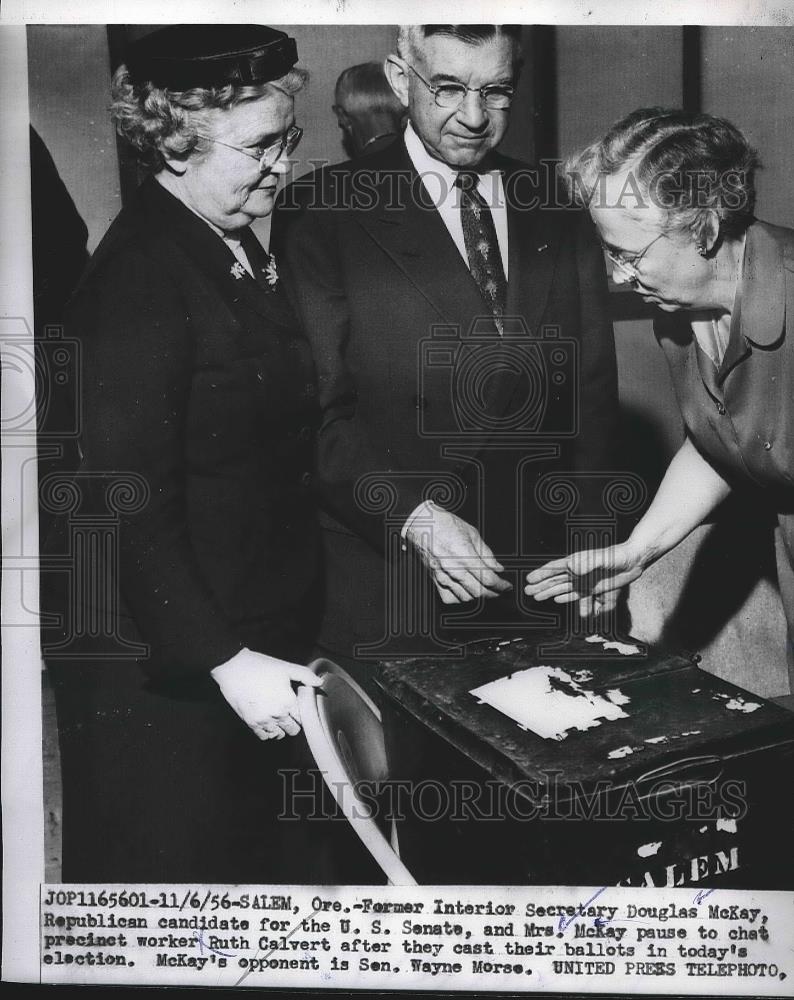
(184, 56)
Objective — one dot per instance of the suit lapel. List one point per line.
(270, 302)
(414, 236)
(533, 250)
(532, 254)
(212, 256)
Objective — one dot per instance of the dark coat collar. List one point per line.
(157, 218)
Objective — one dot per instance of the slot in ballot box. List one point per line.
(599, 767)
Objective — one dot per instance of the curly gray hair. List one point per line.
(155, 120)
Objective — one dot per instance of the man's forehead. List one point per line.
(445, 55)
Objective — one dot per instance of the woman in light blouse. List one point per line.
(672, 195)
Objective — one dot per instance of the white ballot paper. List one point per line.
(550, 702)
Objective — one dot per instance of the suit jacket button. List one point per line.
(304, 433)
(306, 479)
(310, 389)
(767, 445)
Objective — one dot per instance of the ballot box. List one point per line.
(585, 762)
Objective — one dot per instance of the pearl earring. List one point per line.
(701, 249)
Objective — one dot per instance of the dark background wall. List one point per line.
(576, 81)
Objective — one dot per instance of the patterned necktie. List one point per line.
(482, 246)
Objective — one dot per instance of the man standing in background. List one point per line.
(367, 109)
(462, 344)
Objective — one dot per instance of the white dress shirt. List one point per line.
(438, 180)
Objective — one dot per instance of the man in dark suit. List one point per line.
(462, 344)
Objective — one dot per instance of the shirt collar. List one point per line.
(424, 163)
(760, 305)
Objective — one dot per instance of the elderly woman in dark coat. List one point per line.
(198, 397)
(672, 195)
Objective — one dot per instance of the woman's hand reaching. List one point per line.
(594, 578)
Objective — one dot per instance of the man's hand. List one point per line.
(594, 578)
(461, 564)
(259, 688)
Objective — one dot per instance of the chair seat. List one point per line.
(343, 729)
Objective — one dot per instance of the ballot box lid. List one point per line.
(657, 712)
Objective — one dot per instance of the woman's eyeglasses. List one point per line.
(269, 156)
(629, 261)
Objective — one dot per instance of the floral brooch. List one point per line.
(271, 271)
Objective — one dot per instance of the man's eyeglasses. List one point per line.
(495, 96)
(270, 155)
(629, 261)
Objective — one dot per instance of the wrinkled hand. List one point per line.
(594, 578)
(462, 566)
(259, 689)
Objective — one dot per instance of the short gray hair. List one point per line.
(364, 88)
(687, 164)
(411, 36)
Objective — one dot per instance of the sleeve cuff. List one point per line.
(424, 508)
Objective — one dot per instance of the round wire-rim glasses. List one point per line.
(495, 96)
(629, 261)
